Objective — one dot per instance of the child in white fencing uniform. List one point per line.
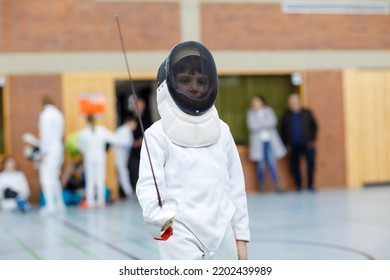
(196, 165)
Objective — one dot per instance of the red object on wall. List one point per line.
(92, 104)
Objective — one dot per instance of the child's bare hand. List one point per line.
(242, 250)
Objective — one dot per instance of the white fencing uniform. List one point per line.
(208, 185)
(51, 130)
(92, 144)
(122, 154)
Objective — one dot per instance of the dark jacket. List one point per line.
(309, 127)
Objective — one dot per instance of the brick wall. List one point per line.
(325, 98)
(25, 104)
(264, 27)
(87, 25)
(73, 25)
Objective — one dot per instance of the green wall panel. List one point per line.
(235, 94)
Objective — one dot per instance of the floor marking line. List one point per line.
(319, 244)
(20, 242)
(106, 243)
(68, 241)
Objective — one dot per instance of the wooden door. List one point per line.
(77, 85)
(367, 123)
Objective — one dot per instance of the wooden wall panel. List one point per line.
(75, 84)
(367, 119)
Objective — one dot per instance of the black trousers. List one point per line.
(309, 153)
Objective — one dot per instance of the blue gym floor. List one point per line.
(340, 224)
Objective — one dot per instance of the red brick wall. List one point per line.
(25, 104)
(325, 99)
(73, 25)
(236, 26)
(87, 25)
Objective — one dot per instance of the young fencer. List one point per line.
(196, 165)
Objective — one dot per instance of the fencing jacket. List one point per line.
(51, 130)
(207, 182)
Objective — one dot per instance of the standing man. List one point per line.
(51, 131)
(299, 132)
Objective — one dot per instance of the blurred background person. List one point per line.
(265, 145)
(299, 132)
(93, 141)
(123, 152)
(51, 131)
(14, 187)
(136, 150)
(31, 149)
(72, 178)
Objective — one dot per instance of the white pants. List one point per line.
(95, 177)
(49, 177)
(183, 245)
(121, 159)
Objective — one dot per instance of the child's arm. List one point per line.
(158, 219)
(242, 249)
(114, 138)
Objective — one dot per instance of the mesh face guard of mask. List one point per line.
(191, 77)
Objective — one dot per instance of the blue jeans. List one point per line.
(269, 158)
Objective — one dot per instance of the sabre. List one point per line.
(138, 111)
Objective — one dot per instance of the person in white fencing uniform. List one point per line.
(93, 140)
(51, 131)
(122, 153)
(196, 164)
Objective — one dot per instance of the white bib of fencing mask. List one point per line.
(184, 129)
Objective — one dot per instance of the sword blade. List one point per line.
(137, 109)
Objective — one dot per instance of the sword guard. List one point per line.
(165, 236)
